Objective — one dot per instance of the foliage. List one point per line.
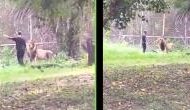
(122, 11)
(49, 8)
(62, 16)
(107, 34)
(183, 7)
(6, 56)
(61, 57)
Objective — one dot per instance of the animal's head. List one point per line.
(160, 39)
(31, 44)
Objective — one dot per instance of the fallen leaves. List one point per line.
(51, 94)
(149, 88)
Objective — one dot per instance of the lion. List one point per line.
(43, 54)
(170, 46)
(37, 54)
(31, 50)
(164, 45)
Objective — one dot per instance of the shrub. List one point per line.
(7, 56)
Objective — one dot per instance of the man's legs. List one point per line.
(20, 56)
(144, 47)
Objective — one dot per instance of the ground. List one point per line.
(54, 88)
(151, 81)
(156, 87)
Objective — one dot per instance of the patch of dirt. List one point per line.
(61, 93)
(155, 87)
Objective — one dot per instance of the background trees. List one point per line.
(66, 22)
(122, 11)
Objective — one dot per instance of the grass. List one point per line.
(67, 86)
(16, 73)
(150, 81)
(55, 93)
(119, 54)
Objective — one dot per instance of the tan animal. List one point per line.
(31, 50)
(170, 46)
(37, 54)
(43, 54)
(164, 45)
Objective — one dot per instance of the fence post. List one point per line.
(185, 30)
(163, 25)
(30, 26)
(141, 28)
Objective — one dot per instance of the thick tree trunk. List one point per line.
(66, 35)
(59, 30)
(89, 47)
(72, 37)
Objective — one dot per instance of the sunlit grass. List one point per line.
(120, 54)
(18, 73)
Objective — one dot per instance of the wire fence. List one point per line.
(135, 41)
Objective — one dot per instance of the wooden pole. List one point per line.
(141, 28)
(141, 24)
(163, 26)
(185, 30)
(30, 25)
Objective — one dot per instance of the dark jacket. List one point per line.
(20, 42)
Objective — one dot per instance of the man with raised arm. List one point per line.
(20, 47)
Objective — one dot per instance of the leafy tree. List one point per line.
(63, 16)
(122, 11)
(183, 7)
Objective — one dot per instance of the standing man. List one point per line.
(144, 41)
(20, 47)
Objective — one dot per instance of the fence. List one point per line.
(135, 40)
(41, 43)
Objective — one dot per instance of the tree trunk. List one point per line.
(59, 30)
(66, 35)
(91, 49)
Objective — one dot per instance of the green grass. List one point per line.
(119, 54)
(67, 86)
(132, 82)
(18, 73)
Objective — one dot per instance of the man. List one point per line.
(144, 41)
(20, 47)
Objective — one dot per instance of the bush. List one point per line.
(7, 56)
(61, 57)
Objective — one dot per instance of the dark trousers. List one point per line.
(20, 56)
(144, 47)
